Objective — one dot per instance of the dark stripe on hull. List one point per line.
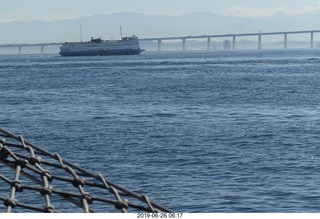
(101, 53)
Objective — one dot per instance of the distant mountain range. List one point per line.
(143, 25)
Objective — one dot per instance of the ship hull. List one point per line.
(99, 53)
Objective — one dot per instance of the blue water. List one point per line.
(220, 131)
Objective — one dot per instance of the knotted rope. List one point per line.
(41, 175)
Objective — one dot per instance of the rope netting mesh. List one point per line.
(34, 180)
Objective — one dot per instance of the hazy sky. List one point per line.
(50, 10)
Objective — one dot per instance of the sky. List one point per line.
(53, 10)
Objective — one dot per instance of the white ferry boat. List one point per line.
(99, 47)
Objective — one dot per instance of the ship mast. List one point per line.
(81, 33)
(121, 32)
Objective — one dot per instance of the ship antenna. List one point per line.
(121, 32)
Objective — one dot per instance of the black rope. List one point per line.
(43, 174)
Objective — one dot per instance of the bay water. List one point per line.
(202, 131)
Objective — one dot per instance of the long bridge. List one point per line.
(184, 39)
(19, 46)
(234, 38)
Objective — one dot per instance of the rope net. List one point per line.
(44, 182)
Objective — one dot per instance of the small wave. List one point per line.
(165, 114)
(314, 59)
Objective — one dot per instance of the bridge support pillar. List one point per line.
(234, 42)
(208, 43)
(312, 40)
(259, 42)
(42, 49)
(19, 49)
(285, 41)
(184, 44)
(159, 45)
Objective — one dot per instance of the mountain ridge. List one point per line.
(107, 26)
